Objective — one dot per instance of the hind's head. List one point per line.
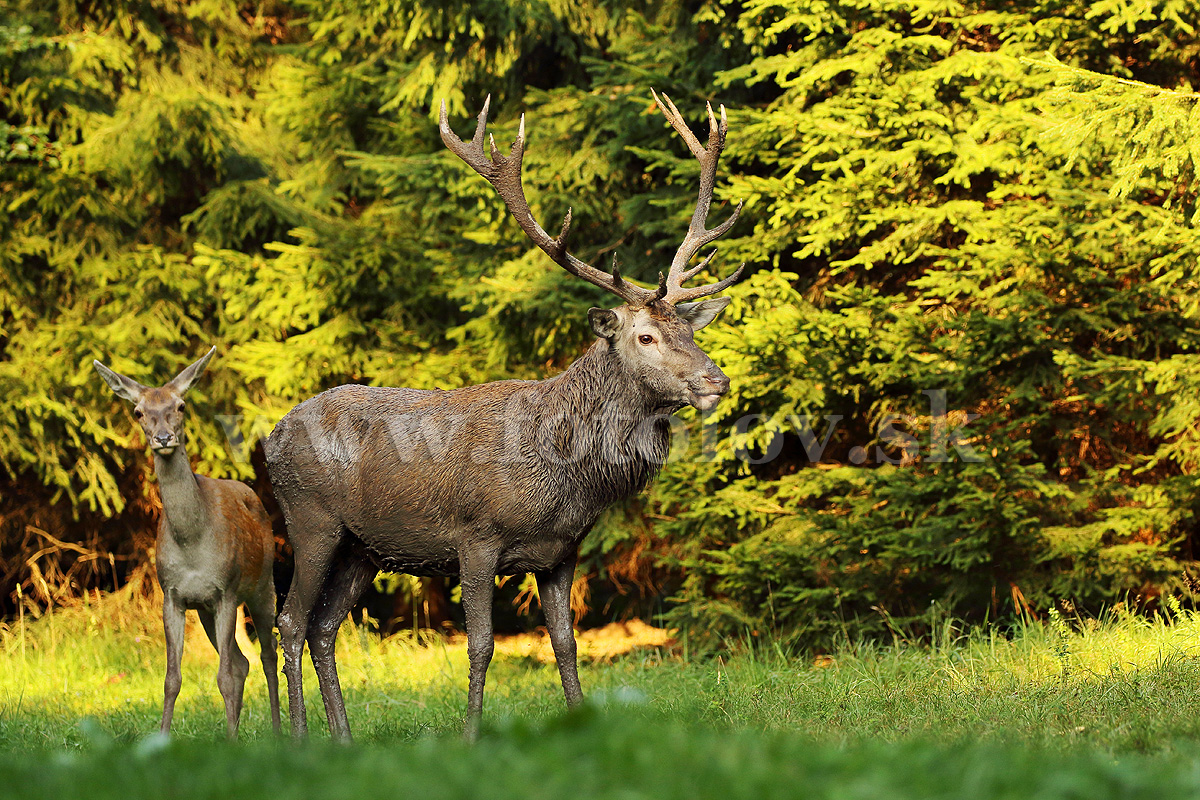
(159, 410)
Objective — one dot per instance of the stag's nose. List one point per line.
(708, 390)
(162, 439)
(718, 383)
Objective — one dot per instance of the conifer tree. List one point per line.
(942, 221)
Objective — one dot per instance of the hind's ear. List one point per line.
(125, 388)
(701, 313)
(184, 380)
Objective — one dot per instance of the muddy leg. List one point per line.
(478, 571)
(352, 572)
(554, 588)
(314, 543)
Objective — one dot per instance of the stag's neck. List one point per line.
(597, 381)
(183, 504)
(624, 427)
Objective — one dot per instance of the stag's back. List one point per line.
(412, 472)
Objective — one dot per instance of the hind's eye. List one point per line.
(137, 412)
(179, 408)
(646, 338)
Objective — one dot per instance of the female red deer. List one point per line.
(214, 549)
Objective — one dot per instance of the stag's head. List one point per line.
(655, 343)
(159, 410)
(652, 331)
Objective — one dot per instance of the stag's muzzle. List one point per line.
(708, 393)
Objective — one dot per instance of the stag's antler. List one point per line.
(697, 235)
(504, 174)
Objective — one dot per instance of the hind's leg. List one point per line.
(262, 611)
(221, 627)
(315, 537)
(349, 577)
(173, 625)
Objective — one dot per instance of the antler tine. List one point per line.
(472, 152)
(682, 295)
(676, 119)
(691, 273)
(504, 174)
(658, 294)
(698, 236)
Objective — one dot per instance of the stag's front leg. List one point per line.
(554, 589)
(233, 669)
(173, 625)
(478, 580)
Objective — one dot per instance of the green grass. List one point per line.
(1087, 710)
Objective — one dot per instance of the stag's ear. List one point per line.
(605, 322)
(183, 381)
(702, 313)
(125, 388)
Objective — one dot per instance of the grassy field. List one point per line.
(1069, 709)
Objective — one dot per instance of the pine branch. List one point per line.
(1145, 130)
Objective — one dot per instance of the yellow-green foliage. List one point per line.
(934, 204)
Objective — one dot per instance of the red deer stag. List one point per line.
(214, 549)
(503, 478)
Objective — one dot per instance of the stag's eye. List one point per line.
(646, 338)
(179, 408)
(137, 413)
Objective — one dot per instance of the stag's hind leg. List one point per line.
(348, 578)
(315, 538)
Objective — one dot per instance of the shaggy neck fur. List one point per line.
(615, 435)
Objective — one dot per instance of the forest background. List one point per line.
(969, 234)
